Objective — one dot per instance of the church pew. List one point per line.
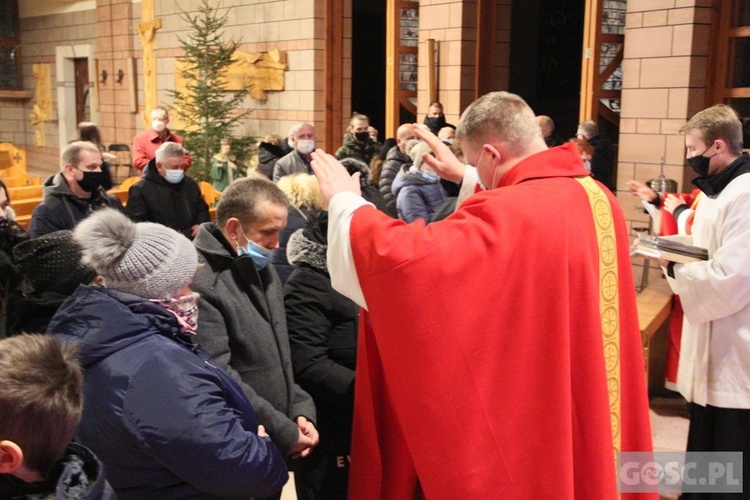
(654, 310)
(24, 192)
(25, 207)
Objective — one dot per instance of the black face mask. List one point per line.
(362, 136)
(700, 163)
(91, 181)
(436, 122)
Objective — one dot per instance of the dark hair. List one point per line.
(240, 200)
(387, 146)
(88, 131)
(41, 397)
(5, 188)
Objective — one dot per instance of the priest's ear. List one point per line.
(11, 457)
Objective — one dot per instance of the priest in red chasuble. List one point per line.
(499, 353)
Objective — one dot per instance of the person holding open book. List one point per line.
(714, 369)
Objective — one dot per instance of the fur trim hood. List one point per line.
(302, 250)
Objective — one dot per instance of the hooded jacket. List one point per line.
(363, 151)
(323, 338)
(78, 475)
(164, 419)
(241, 322)
(417, 196)
(61, 209)
(268, 155)
(179, 206)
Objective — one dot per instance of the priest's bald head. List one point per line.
(497, 131)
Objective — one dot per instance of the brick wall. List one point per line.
(294, 26)
(452, 24)
(39, 37)
(664, 80)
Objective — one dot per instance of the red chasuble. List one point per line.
(481, 367)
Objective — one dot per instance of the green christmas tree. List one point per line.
(207, 111)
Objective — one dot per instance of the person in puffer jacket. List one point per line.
(166, 421)
(396, 159)
(417, 189)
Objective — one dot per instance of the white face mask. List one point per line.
(174, 176)
(158, 125)
(479, 179)
(306, 146)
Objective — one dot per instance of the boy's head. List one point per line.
(41, 401)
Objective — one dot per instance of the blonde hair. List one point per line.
(303, 190)
(499, 117)
(717, 122)
(274, 139)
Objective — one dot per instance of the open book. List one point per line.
(669, 249)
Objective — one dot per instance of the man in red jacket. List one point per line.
(146, 143)
(499, 354)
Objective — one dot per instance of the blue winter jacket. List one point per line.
(166, 422)
(417, 196)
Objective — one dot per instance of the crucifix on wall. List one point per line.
(147, 33)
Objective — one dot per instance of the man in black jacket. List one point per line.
(74, 193)
(394, 162)
(166, 195)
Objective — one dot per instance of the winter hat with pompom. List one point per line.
(145, 259)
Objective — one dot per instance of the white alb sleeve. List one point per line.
(468, 184)
(340, 258)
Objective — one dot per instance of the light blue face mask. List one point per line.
(174, 176)
(430, 176)
(261, 256)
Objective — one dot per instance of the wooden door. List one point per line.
(729, 69)
(402, 40)
(81, 69)
(601, 73)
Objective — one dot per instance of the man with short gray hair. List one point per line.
(74, 193)
(297, 160)
(166, 195)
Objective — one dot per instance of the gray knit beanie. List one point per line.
(145, 259)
